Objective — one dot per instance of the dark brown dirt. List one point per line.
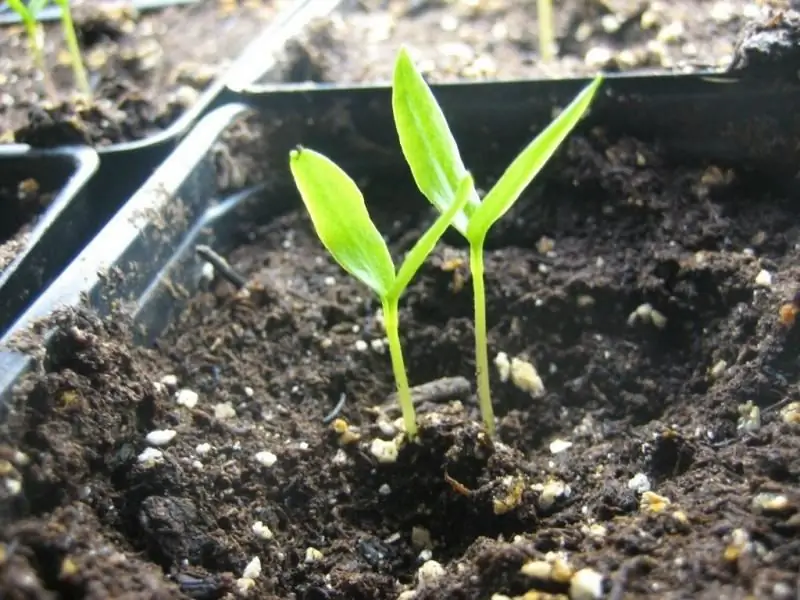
(627, 228)
(22, 201)
(145, 70)
(486, 39)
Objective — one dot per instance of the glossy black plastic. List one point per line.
(57, 234)
(698, 118)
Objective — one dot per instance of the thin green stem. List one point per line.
(391, 322)
(36, 40)
(544, 14)
(481, 348)
(74, 48)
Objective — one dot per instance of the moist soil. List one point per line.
(482, 39)
(145, 70)
(257, 469)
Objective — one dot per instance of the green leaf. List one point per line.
(527, 165)
(425, 245)
(341, 220)
(426, 140)
(19, 7)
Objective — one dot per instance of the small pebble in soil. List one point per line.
(716, 371)
(244, 585)
(586, 584)
(361, 346)
(161, 437)
(312, 555)
(558, 446)
(347, 435)
(253, 569)
(224, 411)
(790, 414)
(385, 489)
(187, 398)
(385, 452)
(652, 502)
(764, 278)
(536, 569)
(525, 376)
(503, 366)
(266, 459)
(551, 492)
(639, 483)
(13, 486)
(378, 345)
(262, 531)
(248, 391)
(430, 572)
(739, 544)
(203, 449)
(150, 457)
(645, 313)
(421, 538)
(170, 380)
(770, 502)
(207, 272)
(749, 417)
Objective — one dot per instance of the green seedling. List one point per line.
(437, 168)
(71, 39)
(343, 225)
(547, 38)
(29, 14)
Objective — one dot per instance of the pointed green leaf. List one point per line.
(528, 163)
(341, 220)
(425, 245)
(426, 140)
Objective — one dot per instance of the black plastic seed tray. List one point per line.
(100, 188)
(702, 118)
(53, 235)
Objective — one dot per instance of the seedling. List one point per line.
(29, 14)
(71, 39)
(343, 225)
(437, 168)
(544, 16)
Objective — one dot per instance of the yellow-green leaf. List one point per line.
(428, 145)
(341, 220)
(528, 163)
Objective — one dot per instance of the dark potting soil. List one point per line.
(145, 70)
(478, 39)
(647, 399)
(22, 201)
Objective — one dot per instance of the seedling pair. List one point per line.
(342, 222)
(29, 14)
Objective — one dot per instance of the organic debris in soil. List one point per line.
(660, 461)
(499, 38)
(146, 70)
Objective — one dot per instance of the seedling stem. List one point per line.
(481, 341)
(391, 322)
(71, 39)
(547, 40)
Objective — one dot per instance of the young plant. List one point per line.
(29, 14)
(71, 39)
(435, 163)
(547, 38)
(343, 225)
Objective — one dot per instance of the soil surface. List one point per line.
(647, 295)
(480, 39)
(22, 201)
(145, 69)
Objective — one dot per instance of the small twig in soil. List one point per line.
(222, 266)
(438, 390)
(328, 419)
